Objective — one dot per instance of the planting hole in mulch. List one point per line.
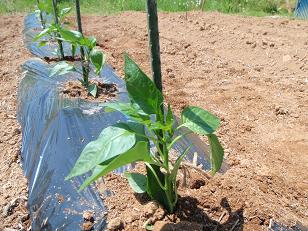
(105, 91)
(196, 209)
(66, 58)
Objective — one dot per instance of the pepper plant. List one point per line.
(52, 29)
(127, 142)
(91, 55)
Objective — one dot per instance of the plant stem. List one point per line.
(41, 16)
(85, 63)
(55, 10)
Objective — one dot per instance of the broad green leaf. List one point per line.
(134, 127)
(140, 152)
(92, 89)
(141, 89)
(61, 68)
(129, 110)
(111, 142)
(137, 181)
(97, 58)
(71, 36)
(199, 120)
(217, 153)
(177, 164)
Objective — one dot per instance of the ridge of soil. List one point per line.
(251, 72)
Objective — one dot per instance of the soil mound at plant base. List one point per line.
(105, 91)
(197, 208)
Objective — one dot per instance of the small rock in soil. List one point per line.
(115, 224)
(150, 208)
(87, 226)
(196, 184)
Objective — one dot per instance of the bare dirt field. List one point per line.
(251, 72)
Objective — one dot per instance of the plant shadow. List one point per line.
(193, 218)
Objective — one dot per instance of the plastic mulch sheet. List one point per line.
(301, 9)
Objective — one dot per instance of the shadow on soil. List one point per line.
(193, 218)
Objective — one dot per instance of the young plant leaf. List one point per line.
(43, 33)
(177, 164)
(92, 89)
(65, 11)
(129, 110)
(199, 120)
(217, 153)
(111, 142)
(141, 89)
(140, 152)
(97, 58)
(137, 181)
(61, 68)
(42, 43)
(71, 36)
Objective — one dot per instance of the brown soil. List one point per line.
(13, 186)
(251, 72)
(66, 58)
(105, 91)
(197, 209)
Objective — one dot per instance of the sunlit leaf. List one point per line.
(217, 153)
(111, 142)
(137, 181)
(140, 152)
(97, 59)
(199, 120)
(141, 89)
(61, 68)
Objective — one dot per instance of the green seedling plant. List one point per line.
(51, 31)
(128, 142)
(91, 55)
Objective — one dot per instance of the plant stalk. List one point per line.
(85, 63)
(55, 10)
(41, 16)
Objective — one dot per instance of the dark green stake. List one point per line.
(55, 10)
(85, 63)
(154, 42)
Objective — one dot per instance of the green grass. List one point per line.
(246, 7)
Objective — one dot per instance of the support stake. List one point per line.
(55, 10)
